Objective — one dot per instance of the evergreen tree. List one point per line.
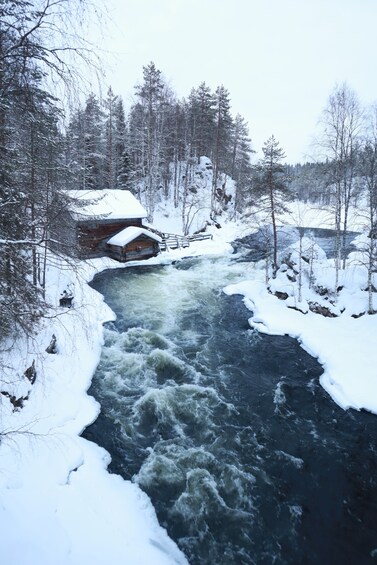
(94, 144)
(241, 168)
(30, 149)
(110, 140)
(75, 150)
(201, 121)
(122, 156)
(272, 188)
(147, 131)
(222, 155)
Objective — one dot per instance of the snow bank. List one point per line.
(58, 503)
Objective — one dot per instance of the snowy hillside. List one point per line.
(185, 207)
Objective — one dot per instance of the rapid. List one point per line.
(245, 457)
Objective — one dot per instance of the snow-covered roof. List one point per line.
(108, 204)
(129, 234)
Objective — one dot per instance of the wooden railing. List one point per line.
(174, 241)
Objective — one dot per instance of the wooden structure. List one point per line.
(97, 215)
(110, 223)
(132, 244)
(174, 241)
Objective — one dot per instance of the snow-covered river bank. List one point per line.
(80, 513)
(58, 503)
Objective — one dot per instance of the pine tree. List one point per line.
(147, 131)
(241, 169)
(94, 144)
(222, 141)
(272, 188)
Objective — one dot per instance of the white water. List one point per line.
(226, 430)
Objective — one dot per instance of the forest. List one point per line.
(50, 142)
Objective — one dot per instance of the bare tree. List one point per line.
(368, 172)
(341, 122)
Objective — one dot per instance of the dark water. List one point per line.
(257, 243)
(244, 456)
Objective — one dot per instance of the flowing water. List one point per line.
(244, 456)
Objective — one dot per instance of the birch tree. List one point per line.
(368, 172)
(341, 121)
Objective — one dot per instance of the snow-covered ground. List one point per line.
(58, 504)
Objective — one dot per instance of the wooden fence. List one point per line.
(174, 241)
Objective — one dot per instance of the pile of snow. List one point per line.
(193, 212)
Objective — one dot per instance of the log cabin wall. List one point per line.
(93, 235)
(142, 247)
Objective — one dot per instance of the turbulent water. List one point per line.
(245, 458)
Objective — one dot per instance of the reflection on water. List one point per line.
(244, 456)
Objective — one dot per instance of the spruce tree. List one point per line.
(122, 154)
(202, 121)
(94, 144)
(241, 168)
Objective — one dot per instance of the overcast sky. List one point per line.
(279, 59)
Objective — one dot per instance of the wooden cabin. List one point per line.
(133, 243)
(96, 216)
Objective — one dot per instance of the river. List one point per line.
(245, 457)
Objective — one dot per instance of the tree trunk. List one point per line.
(274, 234)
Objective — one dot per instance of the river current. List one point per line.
(245, 457)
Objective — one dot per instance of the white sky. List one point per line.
(279, 59)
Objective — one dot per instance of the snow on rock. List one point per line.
(196, 213)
